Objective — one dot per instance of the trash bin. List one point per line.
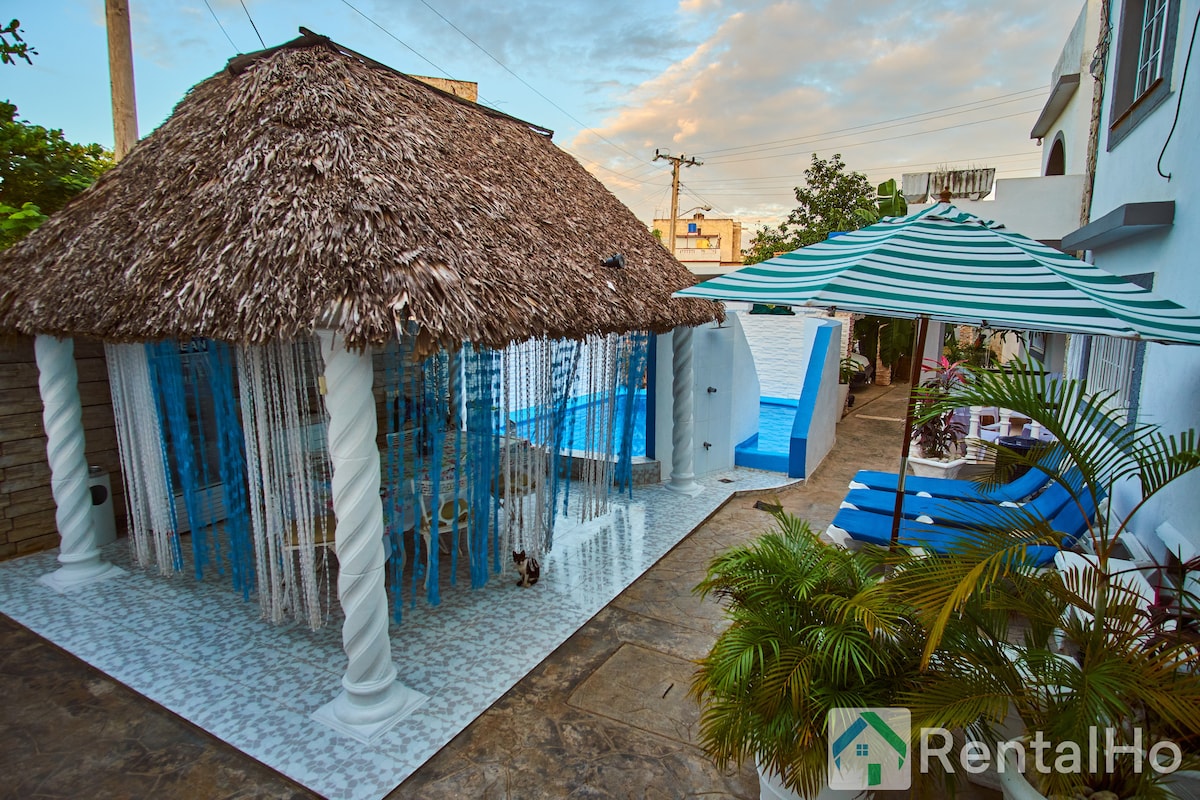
(1021, 445)
(102, 506)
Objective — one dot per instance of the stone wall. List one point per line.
(26, 504)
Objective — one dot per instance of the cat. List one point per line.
(529, 568)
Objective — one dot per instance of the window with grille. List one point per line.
(1110, 369)
(1150, 53)
(1145, 36)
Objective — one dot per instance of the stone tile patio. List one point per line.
(606, 714)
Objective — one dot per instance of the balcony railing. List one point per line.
(698, 253)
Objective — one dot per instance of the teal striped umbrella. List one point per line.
(947, 265)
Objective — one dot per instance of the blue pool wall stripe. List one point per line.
(813, 431)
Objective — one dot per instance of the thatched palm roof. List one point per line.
(307, 186)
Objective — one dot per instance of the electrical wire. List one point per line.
(1178, 102)
(883, 124)
(529, 86)
(696, 195)
(222, 27)
(887, 139)
(887, 168)
(252, 25)
(400, 41)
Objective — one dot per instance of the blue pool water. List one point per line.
(577, 420)
(775, 425)
(770, 448)
(575, 435)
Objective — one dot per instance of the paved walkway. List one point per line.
(606, 715)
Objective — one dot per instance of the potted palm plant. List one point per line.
(936, 433)
(1053, 655)
(812, 628)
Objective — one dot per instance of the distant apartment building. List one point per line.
(463, 90)
(705, 246)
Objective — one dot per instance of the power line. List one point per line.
(222, 27)
(635, 175)
(529, 86)
(888, 139)
(770, 191)
(702, 198)
(629, 175)
(445, 72)
(808, 141)
(887, 168)
(252, 25)
(989, 100)
(405, 44)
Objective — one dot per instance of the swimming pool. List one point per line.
(576, 422)
(770, 448)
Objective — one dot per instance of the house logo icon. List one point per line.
(868, 748)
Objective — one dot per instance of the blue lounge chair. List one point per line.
(875, 528)
(954, 511)
(1014, 492)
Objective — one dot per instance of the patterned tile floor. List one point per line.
(200, 651)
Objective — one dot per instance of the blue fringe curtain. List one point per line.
(451, 430)
(203, 451)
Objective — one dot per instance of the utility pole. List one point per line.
(120, 71)
(676, 161)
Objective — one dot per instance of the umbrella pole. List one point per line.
(906, 444)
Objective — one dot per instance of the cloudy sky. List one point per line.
(750, 87)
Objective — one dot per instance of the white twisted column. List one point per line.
(62, 417)
(683, 478)
(371, 700)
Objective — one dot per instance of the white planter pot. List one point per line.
(770, 787)
(929, 468)
(1013, 786)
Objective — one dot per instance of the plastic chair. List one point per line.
(451, 510)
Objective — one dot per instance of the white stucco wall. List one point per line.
(662, 402)
(746, 389)
(1045, 208)
(827, 408)
(777, 345)
(1074, 120)
(722, 418)
(1170, 384)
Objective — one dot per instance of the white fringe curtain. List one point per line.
(149, 499)
(556, 397)
(287, 463)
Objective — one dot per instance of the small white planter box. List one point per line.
(930, 468)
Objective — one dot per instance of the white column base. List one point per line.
(687, 486)
(367, 717)
(74, 576)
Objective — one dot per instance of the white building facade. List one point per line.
(1142, 223)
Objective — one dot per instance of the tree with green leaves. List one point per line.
(828, 202)
(10, 51)
(40, 170)
(1089, 645)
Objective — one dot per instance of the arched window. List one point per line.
(1056, 164)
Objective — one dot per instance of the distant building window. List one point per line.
(1145, 38)
(1056, 163)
